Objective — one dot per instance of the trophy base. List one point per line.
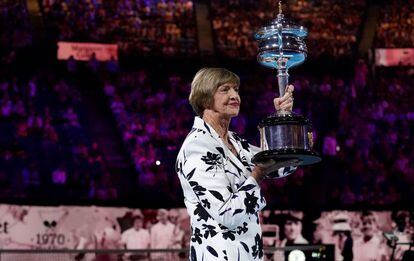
(307, 157)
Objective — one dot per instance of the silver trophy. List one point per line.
(284, 135)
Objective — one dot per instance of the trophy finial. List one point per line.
(280, 7)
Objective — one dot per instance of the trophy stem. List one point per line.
(283, 79)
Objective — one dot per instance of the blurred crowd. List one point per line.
(45, 147)
(168, 27)
(15, 28)
(153, 115)
(333, 25)
(142, 27)
(396, 25)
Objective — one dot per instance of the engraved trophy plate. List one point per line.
(284, 135)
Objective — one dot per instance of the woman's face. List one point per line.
(227, 100)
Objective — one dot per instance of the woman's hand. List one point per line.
(285, 103)
(261, 170)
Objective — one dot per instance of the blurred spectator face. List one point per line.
(173, 216)
(292, 228)
(401, 221)
(138, 223)
(162, 216)
(318, 234)
(368, 225)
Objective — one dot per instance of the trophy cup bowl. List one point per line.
(284, 135)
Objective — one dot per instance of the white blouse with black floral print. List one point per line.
(221, 197)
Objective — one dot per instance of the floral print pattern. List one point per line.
(211, 159)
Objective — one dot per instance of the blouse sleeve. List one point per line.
(203, 169)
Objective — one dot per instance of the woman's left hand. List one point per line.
(285, 103)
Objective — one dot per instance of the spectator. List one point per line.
(136, 237)
(178, 234)
(369, 246)
(161, 234)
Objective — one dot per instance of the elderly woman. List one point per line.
(220, 183)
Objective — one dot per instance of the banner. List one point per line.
(72, 227)
(394, 57)
(84, 51)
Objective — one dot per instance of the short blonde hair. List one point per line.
(204, 85)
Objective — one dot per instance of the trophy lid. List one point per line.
(288, 27)
(281, 40)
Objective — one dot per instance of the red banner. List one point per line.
(84, 51)
(394, 57)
